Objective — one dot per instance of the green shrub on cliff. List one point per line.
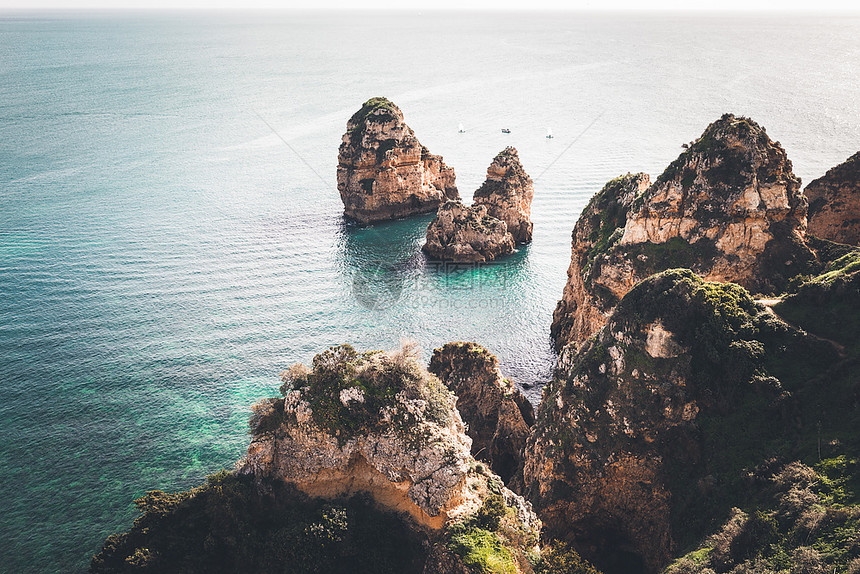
(350, 392)
(234, 525)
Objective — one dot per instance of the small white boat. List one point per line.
(461, 129)
(506, 131)
(549, 133)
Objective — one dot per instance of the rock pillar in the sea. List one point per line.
(383, 170)
(508, 192)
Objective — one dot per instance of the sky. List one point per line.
(646, 5)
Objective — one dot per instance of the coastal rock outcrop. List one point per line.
(383, 170)
(651, 432)
(729, 208)
(467, 234)
(362, 466)
(498, 416)
(834, 203)
(508, 192)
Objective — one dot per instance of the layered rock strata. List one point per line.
(498, 416)
(467, 234)
(383, 170)
(729, 208)
(508, 192)
(834, 203)
(375, 423)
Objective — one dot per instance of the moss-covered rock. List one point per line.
(834, 203)
(649, 436)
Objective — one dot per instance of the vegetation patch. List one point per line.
(349, 392)
(232, 524)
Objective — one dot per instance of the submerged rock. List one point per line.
(467, 234)
(383, 170)
(508, 192)
(498, 416)
(729, 208)
(834, 203)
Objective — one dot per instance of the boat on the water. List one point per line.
(461, 129)
(506, 131)
(549, 133)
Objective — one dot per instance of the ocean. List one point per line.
(171, 235)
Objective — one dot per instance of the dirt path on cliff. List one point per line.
(769, 303)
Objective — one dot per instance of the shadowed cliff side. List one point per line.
(498, 416)
(647, 440)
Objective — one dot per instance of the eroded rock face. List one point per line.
(834, 203)
(467, 234)
(582, 310)
(508, 193)
(383, 170)
(374, 423)
(497, 414)
(729, 208)
(651, 429)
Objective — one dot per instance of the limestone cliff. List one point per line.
(834, 203)
(583, 310)
(497, 414)
(508, 192)
(363, 466)
(646, 439)
(383, 170)
(729, 208)
(467, 234)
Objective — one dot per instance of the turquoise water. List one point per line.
(163, 254)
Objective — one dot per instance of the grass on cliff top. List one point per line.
(233, 524)
(828, 304)
(359, 118)
(808, 521)
(348, 391)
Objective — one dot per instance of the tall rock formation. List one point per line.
(729, 208)
(834, 203)
(467, 234)
(498, 416)
(649, 438)
(508, 192)
(383, 170)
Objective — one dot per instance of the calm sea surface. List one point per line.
(164, 254)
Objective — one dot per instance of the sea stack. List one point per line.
(834, 203)
(467, 234)
(508, 192)
(383, 170)
(498, 219)
(729, 208)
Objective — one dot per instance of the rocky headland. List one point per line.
(668, 416)
(729, 208)
(467, 234)
(378, 437)
(834, 203)
(384, 172)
